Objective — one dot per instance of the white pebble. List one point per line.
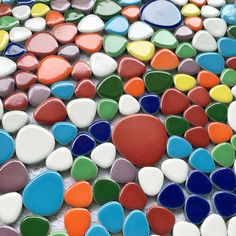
(128, 105)
(19, 34)
(1, 109)
(215, 26)
(180, 2)
(185, 228)
(209, 11)
(216, 3)
(231, 116)
(36, 24)
(232, 226)
(233, 90)
(7, 66)
(91, 23)
(21, 12)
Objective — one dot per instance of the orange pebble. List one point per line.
(219, 132)
(164, 59)
(79, 194)
(131, 12)
(90, 43)
(194, 22)
(207, 79)
(54, 18)
(199, 3)
(77, 221)
(135, 87)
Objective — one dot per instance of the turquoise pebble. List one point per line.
(228, 13)
(130, 2)
(64, 132)
(117, 25)
(178, 147)
(227, 47)
(97, 230)
(63, 89)
(211, 61)
(111, 216)
(200, 159)
(136, 224)
(43, 195)
(8, 1)
(7, 146)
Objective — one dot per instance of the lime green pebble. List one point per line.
(233, 141)
(58, 234)
(176, 125)
(47, 2)
(228, 77)
(73, 15)
(232, 31)
(223, 154)
(107, 108)
(186, 50)
(217, 111)
(8, 22)
(83, 168)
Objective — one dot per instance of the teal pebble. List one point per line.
(43, 195)
(97, 230)
(63, 89)
(228, 13)
(130, 2)
(227, 47)
(178, 147)
(136, 224)
(117, 25)
(64, 132)
(7, 146)
(111, 216)
(200, 159)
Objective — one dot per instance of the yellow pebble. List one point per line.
(190, 10)
(39, 9)
(142, 50)
(221, 93)
(184, 82)
(4, 39)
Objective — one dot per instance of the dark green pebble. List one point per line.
(73, 16)
(176, 125)
(217, 111)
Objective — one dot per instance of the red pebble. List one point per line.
(25, 79)
(199, 96)
(231, 62)
(160, 219)
(196, 115)
(27, 61)
(198, 137)
(16, 101)
(130, 67)
(5, 9)
(81, 70)
(85, 89)
(174, 102)
(132, 197)
(50, 111)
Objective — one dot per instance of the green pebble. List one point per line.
(164, 39)
(105, 190)
(34, 226)
(233, 141)
(114, 45)
(58, 234)
(8, 22)
(73, 16)
(228, 77)
(217, 111)
(186, 50)
(223, 154)
(106, 9)
(232, 31)
(107, 108)
(157, 81)
(176, 125)
(110, 87)
(47, 2)
(83, 168)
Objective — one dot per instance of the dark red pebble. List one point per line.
(5, 9)
(16, 101)
(85, 89)
(27, 61)
(25, 79)
(231, 62)
(81, 70)
(199, 96)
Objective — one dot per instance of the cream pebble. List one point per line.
(128, 105)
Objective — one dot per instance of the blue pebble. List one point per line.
(228, 13)
(224, 179)
(225, 203)
(117, 25)
(200, 159)
(111, 216)
(198, 183)
(7, 146)
(14, 50)
(171, 196)
(178, 147)
(64, 132)
(150, 103)
(211, 61)
(63, 89)
(97, 230)
(100, 130)
(44, 194)
(82, 144)
(130, 2)
(196, 209)
(136, 224)
(25, 2)
(227, 47)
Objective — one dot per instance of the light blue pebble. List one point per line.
(63, 89)
(136, 224)
(8, 1)
(7, 146)
(130, 2)
(117, 25)
(227, 47)
(228, 13)
(200, 159)
(111, 216)
(178, 147)
(43, 195)
(97, 230)
(211, 61)
(64, 132)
